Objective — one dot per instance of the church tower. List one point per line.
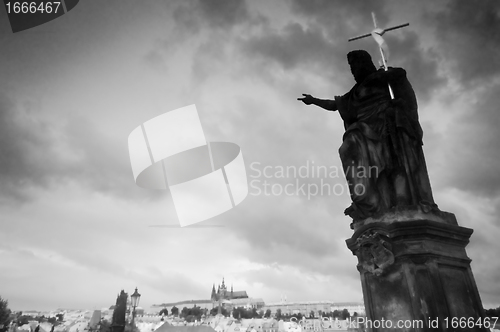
(223, 289)
(221, 295)
(213, 297)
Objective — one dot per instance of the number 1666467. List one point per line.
(32, 7)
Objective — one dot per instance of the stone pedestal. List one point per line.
(417, 273)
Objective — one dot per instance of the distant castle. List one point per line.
(222, 298)
(223, 294)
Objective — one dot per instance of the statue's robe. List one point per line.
(381, 151)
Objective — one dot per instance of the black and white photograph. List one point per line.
(249, 165)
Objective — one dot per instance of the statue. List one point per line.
(381, 152)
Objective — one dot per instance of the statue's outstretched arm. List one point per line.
(327, 104)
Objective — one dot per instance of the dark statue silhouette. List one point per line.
(381, 152)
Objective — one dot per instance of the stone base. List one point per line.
(408, 213)
(417, 271)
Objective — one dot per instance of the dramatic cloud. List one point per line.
(468, 35)
(292, 46)
(23, 147)
(421, 65)
(38, 153)
(218, 14)
(474, 136)
(345, 19)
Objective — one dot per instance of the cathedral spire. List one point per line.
(213, 296)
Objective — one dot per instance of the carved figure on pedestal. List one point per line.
(381, 152)
(374, 253)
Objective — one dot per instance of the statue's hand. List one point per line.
(307, 99)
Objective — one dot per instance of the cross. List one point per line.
(377, 35)
(384, 30)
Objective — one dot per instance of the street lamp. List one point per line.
(135, 302)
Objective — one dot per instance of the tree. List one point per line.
(197, 312)
(23, 319)
(311, 314)
(192, 314)
(336, 314)
(224, 312)
(345, 314)
(185, 312)
(278, 314)
(163, 311)
(238, 313)
(4, 314)
(492, 312)
(104, 326)
(268, 313)
(174, 311)
(119, 312)
(60, 317)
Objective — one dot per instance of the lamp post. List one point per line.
(135, 302)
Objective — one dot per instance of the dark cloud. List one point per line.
(468, 33)
(24, 151)
(209, 59)
(294, 45)
(422, 66)
(35, 153)
(223, 13)
(317, 45)
(320, 45)
(156, 61)
(473, 152)
(217, 14)
(212, 25)
(343, 18)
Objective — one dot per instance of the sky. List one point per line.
(75, 228)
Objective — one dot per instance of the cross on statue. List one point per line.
(377, 35)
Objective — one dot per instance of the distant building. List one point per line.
(352, 307)
(221, 298)
(223, 294)
(203, 304)
(233, 299)
(305, 307)
(95, 319)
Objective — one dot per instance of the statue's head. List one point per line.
(361, 64)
